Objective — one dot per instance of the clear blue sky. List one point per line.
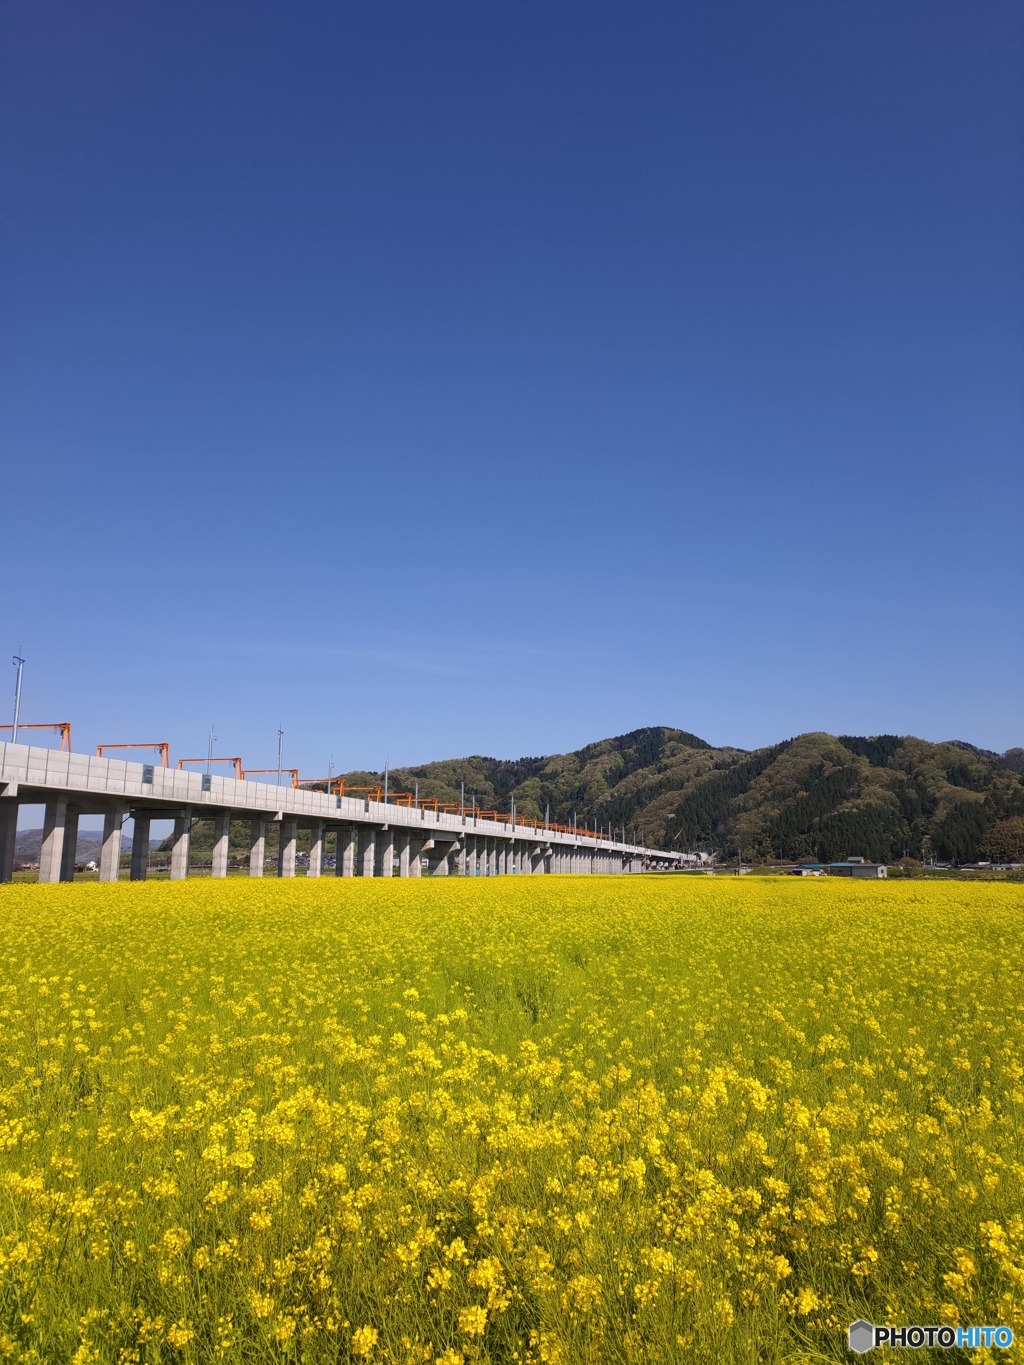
(442, 378)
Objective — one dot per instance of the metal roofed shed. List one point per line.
(858, 867)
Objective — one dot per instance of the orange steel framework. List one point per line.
(334, 786)
(293, 773)
(236, 761)
(164, 748)
(64, 726)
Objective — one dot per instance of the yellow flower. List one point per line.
(180, 1334)
(262, 1305)
(364, 1339)
(175, 1240)
(807, 1301)
(472, 1321)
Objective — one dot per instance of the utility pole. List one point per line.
(280, 752)
(462, 798)
(209, 750)
(386, 762)
(19, 664)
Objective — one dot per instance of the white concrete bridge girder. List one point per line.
(365, 833)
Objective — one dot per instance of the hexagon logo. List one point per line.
(861, 1336)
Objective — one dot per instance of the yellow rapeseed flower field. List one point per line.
(624, 1119)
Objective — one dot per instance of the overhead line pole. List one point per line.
(19, 664)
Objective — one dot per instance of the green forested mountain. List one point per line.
(821, 796)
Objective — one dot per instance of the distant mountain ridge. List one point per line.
(813, 796)
(29, 843)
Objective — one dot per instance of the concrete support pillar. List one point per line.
(345, 857)
(182, 841)
(471, 858)
(221, 835)
(444, 854)
(367, 851)
(70, 850)
(257, 847)
(8, 837)
(404, 840)
(386, 852)
(415, 856)
(461, 857)
(51, 854)
(316, 850)
(286, 852)
(140, 847)
(110, 849)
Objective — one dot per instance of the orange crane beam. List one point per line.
(64, 726)
(236, 761)
(335, 785)
(293, 772)
(163, 746)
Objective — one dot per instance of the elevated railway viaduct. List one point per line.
(371, 837)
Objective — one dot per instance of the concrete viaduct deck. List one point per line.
(371, 835)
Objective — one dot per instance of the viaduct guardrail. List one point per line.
(371, 836)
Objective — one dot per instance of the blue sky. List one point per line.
(445, 378)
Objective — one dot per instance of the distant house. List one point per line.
(857, 867)
(806, 870)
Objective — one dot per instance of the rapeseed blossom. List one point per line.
(530, 1120)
